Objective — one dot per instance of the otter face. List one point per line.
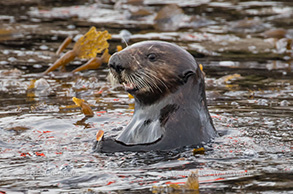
(150, 70)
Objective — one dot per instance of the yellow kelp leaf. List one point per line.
(231, 77)
(192, 182)
(201, 67)
(86, 47)
(131, 106)
(175, 186)
(32, 84)
(91, 43)
(30, 89)
(130, 96)
(106, 56)
(119, 48)
(94, 63)
(62, 61)
(85, 107)
(77, 101)
(198, 151)
(99, 135)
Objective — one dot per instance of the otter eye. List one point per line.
(152, 57)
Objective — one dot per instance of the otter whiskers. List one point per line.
(151, 75)
(143, 82)
(146, 80)
(150, 82)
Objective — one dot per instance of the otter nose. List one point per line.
(115, 64)
(117, 67)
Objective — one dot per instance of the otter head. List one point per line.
(150, 70)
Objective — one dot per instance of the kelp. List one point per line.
(85, 107)
(191, 185)
(95, 62)
(86, 47)
(64, 45)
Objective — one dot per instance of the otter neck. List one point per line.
(150, 121)
(146, 125)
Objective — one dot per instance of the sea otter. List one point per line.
(170, 101)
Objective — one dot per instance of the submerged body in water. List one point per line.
(170, 100)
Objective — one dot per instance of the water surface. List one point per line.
(245, 48)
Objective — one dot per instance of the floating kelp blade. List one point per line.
(65, 43)
(85, 107)
(91, 43)
(86, 47)
(62, 61)
(95, 62)
(99, 135)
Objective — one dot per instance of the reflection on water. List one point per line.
(46, 143)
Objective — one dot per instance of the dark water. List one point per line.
(245, 48)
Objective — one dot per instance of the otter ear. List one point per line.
(185, 75)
